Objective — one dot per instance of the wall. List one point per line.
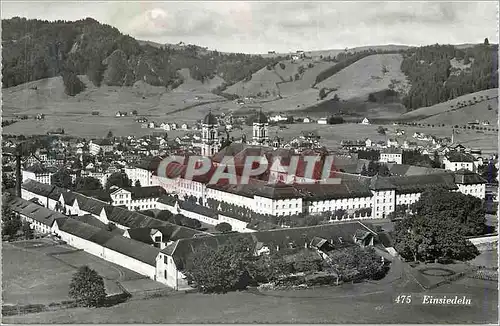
(107, 254)
(485, 243)
(175, 279)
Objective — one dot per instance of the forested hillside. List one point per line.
(439, 73)
(36, 49)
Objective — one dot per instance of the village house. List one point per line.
(391, 142)
(278, 118)
(136, 198)
(391, 155)
(38, 173)
(306, 120)
(455, 161)
(121, 114)
(470, 183)
(365, 121)
(322, 121)
(96, 145)
(144, 172)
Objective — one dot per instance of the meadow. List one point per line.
(304, 306)
(42, 273)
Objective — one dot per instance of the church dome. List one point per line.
(210, 119)
(261, 118)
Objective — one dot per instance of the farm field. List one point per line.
(38, 271)
(304, 306)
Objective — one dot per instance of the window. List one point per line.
(158, 239)
(165, 274)
(165, 259)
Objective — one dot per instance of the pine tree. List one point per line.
(87, 287)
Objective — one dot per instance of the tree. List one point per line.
(307, 261)
(322, 93)
(118, 179)
(87, 287)
(486, 41)
(8, 182)
(27, 231)
(223, 227)
(425, 237)
(87, 183)
(381, 130)
(62, 179)
(110, 134)
(164, 215)
(355, 263)
(466, 211)
(220, 269)
(137, 183)
(11, 222)
(134, 112)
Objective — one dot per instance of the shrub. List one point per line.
(223, 227)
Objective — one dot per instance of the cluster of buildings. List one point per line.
(149, 246)
(353, 193)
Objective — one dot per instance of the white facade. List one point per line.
(384, 203)
(476, 190)
(167, 273)
(391, 158)
(39, 177)
(322, 121)
(122, 197)
(455, 166)
(331, 205)
(365, 121)
(144, 176)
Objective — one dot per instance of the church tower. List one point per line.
(260, 134)
(209, 135)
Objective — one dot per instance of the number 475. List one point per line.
(403, 299)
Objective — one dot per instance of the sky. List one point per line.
(259, 27)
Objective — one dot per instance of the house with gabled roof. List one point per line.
(454, 161)
(470, 183)
(136, 198)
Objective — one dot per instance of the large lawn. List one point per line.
(312, 306)
(42, 274)
(31, 277)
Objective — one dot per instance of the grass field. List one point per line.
(366, 76)
(31, 275)
(309, 306)
(49, 98)
(448, 113)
